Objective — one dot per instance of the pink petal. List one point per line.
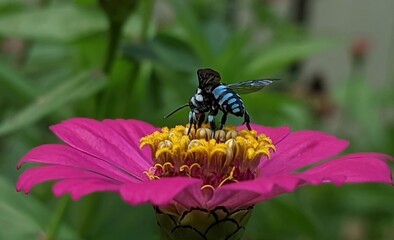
(102, 141)
(192, 196)
(353, 168)
(252, 192)
(78, 188)
(34, 176)
(300, 149)
(62, 155)
(157, 192)
(132, 131)
(276, 134)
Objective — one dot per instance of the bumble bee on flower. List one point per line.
(212, 96)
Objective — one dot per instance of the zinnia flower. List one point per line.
(203, 185)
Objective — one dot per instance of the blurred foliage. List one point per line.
(61, 59)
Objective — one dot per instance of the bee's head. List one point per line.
(207, 77)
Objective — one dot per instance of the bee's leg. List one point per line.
(195, 125)
(206, 120)
(211, 118)
(191, 117)
(223, 121)
(247, 120)
(201, 119)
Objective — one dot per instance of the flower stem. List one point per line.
(54, 225)
(115, 33)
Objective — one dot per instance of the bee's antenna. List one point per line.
(176, 110)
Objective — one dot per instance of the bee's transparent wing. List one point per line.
(250, 86)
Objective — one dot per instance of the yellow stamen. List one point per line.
(229, 178)
(183, 167)
(168, 165)
(213, 157)
(207, 186)
(194, 165)
(158, 165)
(149, 175)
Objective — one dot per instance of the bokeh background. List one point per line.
(137, 59)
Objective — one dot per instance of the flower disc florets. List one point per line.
(217, 158)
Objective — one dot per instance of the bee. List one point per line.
(212, 96)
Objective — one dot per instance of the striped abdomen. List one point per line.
(228, 100)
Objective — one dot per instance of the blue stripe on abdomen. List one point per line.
(231, 101)
(219, 90)
(226, 97)
(234, 106)
(236, 110)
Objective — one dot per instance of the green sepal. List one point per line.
(201, 224)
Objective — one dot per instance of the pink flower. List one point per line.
(185, 172)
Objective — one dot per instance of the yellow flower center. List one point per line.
(217, 158)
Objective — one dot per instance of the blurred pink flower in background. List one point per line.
(360, 47)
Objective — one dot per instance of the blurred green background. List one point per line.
(138, 59)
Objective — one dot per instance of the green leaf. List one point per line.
(12, 81)
(273, 213)
(276, 109)
(81, 86)
(164, 49)
(7, 3)
(280, 55)
(193, 29)
(122, 221)
(4, 2)
(61, 24)
(175, 53)
(85, 2)
(23, 217)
